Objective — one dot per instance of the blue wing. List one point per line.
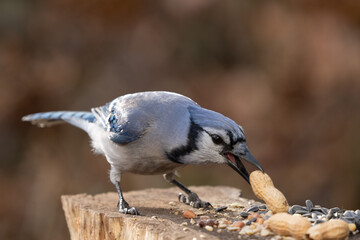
(125, 125)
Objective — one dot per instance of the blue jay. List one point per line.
(157, 133)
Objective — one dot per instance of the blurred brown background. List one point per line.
(288, 71)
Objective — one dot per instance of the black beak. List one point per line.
(235, 163)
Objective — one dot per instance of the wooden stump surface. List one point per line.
(97, 217)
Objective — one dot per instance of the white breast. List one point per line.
(135, 157)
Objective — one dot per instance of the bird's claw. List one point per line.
(126, 209)
(131, 211)
(194, 201)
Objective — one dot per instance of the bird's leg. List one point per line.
(192, 198)
(122, 204)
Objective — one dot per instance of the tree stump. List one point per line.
(97, 217)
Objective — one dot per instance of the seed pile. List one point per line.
(317, 214)
(276, 217)
(233, 219)
(252, 221)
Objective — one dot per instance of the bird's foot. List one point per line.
(131, 211)
(126, 209)
(194, 201)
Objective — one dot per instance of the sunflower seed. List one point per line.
(222, 208)
(349, 214)
(253, 209)
(244, 214)
(335, 209)
(262, 207)
(346, 220)
(357, 223)
(331, 213)
(325, 210)
(319, 221)
(295, 208)
(301, 212)
(309, 205)
(251, 221)
(318, 213)
(314, 216)
(319, 209)
(349, 218)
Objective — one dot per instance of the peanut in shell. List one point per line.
(289, 225)
(263, 188)
(330, 230)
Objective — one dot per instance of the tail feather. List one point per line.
(47, 119)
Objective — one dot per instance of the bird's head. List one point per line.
(221, 140)
(229, 147)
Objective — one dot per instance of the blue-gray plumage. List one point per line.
(157, 133)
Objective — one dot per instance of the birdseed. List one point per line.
(220, 209)
(249, 221)
(317, 214)
(209, 228)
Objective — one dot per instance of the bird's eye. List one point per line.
(216, 139)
